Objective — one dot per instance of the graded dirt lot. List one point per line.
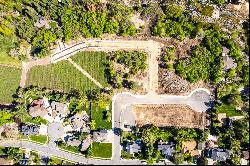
(163, 115)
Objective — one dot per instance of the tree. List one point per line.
(5, 117)
(93, 125)
(178, 158)
(14, 153)
(109, 116)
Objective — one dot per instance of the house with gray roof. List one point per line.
(30, 130)
(219, 154)
(167, 149)
(103, 136)
(79, 121)
(60, 108)
(134, 147)
(72, 141)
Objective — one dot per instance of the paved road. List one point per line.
(122, 103)
(50, 151)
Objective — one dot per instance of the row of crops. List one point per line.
(9, 82)
(60, 76)
(94, 64)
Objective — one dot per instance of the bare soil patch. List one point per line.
(171, 83)
(162, 115)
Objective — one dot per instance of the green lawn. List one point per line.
(70, 148)
(103, 150)
(60, 76)
(9, 82)
(230, 110)
(97, 114)
(39, 138)
(93, 63)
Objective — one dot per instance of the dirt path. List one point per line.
(153, 49)
(85, 73)
(27, 65)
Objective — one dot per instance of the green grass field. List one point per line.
(39, 138)
(6, 44)
(93, 63)
(102, 150)
(70, 148)
(230, 110)
(97, 114)
(60, 76)
(9, 82)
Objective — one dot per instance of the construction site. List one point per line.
(164, 115)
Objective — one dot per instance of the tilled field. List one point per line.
(168, 115)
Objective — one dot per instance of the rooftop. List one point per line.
(102, 136)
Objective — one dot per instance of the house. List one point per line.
(134, 147)
(167, 149)
(3, 161)
(11, 130)
(201, 147)
(30, 130)
(59, 108)
(245, 155)
(42, 21)
(80, 120)
(103, 136)
(86, 143)
(36, 111)
(228, 61)
(219, 154)
(72, 141)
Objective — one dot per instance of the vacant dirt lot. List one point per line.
(168, 115)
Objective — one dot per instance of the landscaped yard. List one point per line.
(230, 110)
(70, 148)
(39, 138)
(98, 115)
(9, 82)
(59, 76)
(103, 150)
(93, 63)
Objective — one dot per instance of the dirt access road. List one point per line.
(153, 49)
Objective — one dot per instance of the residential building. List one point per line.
(103, 136)
(245, 154)
(80, 121)
(167, 149)
(134, 147)
(86, 143)
(60, 108)
(37, 110)
(30, 130)
(219, 154)
(72, 141)
(3, 161)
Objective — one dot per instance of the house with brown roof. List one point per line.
(37, 108)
